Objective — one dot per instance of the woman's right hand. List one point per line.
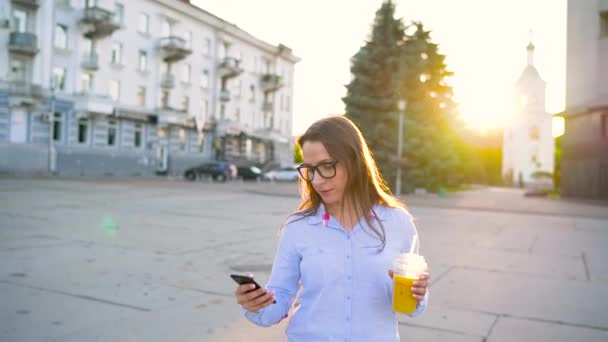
(253, 300)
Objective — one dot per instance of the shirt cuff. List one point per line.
(421, 306)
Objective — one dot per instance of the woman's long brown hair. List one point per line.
(365, 186)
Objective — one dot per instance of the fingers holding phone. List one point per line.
(250, 294)
(253, 299)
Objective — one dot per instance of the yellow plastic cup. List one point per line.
(406, 269)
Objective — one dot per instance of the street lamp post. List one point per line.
(401, 106)
(52, 156)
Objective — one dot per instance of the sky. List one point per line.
(484, 42)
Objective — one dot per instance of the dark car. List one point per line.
(220, 171)
(249, 173)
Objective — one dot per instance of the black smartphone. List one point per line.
(244, 280)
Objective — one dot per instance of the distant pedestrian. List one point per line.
(337, 249)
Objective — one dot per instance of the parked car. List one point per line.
(283, 174)
(218, 170)
(249, 173)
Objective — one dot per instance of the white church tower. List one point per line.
(528, 144)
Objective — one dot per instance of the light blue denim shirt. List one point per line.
(346, 293)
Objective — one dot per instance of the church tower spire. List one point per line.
(530, 49)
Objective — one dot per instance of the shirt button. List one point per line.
(348, 297)
(347, 237)
(347, 318)
(348, 257)
(349, 277)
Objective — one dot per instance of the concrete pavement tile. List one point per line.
(36, 315)
(511, 329)
(194, 321)
(446, 319)
(595, 260)
(241, 330)
(418, 334)
(122, 276)
(572, 302)
(573, 242)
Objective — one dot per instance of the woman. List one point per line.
(339, 246)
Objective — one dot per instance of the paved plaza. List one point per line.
(148, 260)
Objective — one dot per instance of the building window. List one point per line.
(18, 71)
(205, 79)
(86, 83)
(200, 139)
(204, 109)
(111, 133)
(83, 128)
(59, 78)
(116, 53)
(19, 20)
(164, 99)
(57, 124)
(188, 39)
(61, 36)
(224, 49)
(142, 61)
(137, 136)
(164, 68)
(237, 88)
(237, 115)
(165, 28)
(143, 23)
(141, 96)
(252, 93)
(287, 103)
(90, 3)
(185, 103)
(534, 133)
(207, 47)
(186, 73)
(222, 111)
(87, 46)
(114, 90)
(182, 139)
(119, 13)
(604, 24)
(605, 125)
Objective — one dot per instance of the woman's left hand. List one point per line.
(419, 287)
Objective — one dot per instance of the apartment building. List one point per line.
(138, 87)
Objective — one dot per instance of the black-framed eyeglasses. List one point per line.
(326, 170)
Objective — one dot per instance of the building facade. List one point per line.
(584, 164)
(528, 144)
(138, 87)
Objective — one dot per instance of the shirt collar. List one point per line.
(317, 218)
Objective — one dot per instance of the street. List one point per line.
(148, 260)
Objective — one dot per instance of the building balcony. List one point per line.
(267, 106)
(91, 103)
(173, 116)
(97, 22)
(167, 81)
(31, 4)
(173, 49)
(23, 93)
(22, 88)
(224, 95)
(229, 68)
(270, 83)
(90, 61)
(23, 43)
